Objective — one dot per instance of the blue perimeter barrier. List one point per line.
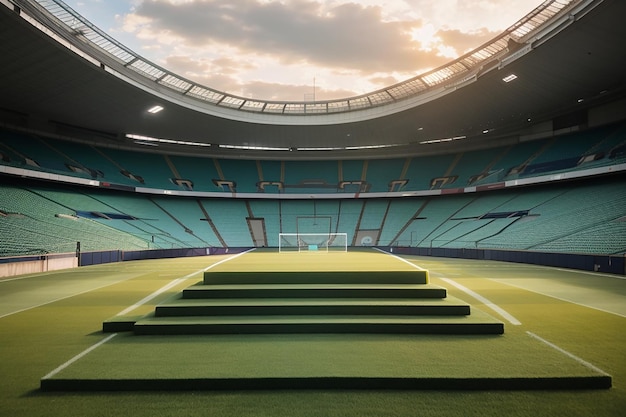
(95, 258)
(596, 263)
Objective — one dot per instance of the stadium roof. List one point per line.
(554, 68)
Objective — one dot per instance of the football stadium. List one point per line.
(451, 244)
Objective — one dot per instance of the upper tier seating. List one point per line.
(568, 152)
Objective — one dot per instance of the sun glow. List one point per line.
(426, 36)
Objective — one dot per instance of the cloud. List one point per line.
(219, 72)
(464, 42)
(342, 36)
(189, 65)
(274, 49)
(384, 81)
(467, 15)
(227, 74)
(302, 92)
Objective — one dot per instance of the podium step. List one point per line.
(318, 324)
(314, 291)
(311, 306)
(317, 277)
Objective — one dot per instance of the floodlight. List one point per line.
(509, 78)
(155, 109)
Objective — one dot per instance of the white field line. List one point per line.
(145, 300)
(485, 301)
(113, 283)
(23, 277)
(174, 283)
(400, 259)
(574, 271)
(557, 298)
(80, 355)
(67, 296)
(571, 355)
(595, 274)
(466, 290)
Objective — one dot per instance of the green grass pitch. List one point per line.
(568, 323)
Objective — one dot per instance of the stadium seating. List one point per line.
(199, 171)
(269, 212)
(381, 172)
(151, 222)
(349, 211)
(567, 152)
(573, 211)
(229, 218)
(242, 173)
(36, 222)
(422, 170)
(373, 214)
(573, 219)
(310, 176)
(432, 213)
(399, 215)
(581, 218)
(469, 164)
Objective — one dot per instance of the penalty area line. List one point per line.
(80, 355)
(566, 353)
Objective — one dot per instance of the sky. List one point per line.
(301, 50)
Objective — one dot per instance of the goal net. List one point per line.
(302, 242)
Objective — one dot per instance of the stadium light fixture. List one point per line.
(353, 148)
(509, 78)
(429, 142)
(141, 142)
(320, 149)
(147, 140)
(254, 148)
(155, 109)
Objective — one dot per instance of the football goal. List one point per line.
(302, 242)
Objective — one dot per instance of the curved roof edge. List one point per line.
(69, 28)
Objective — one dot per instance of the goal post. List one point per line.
(311, 242)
